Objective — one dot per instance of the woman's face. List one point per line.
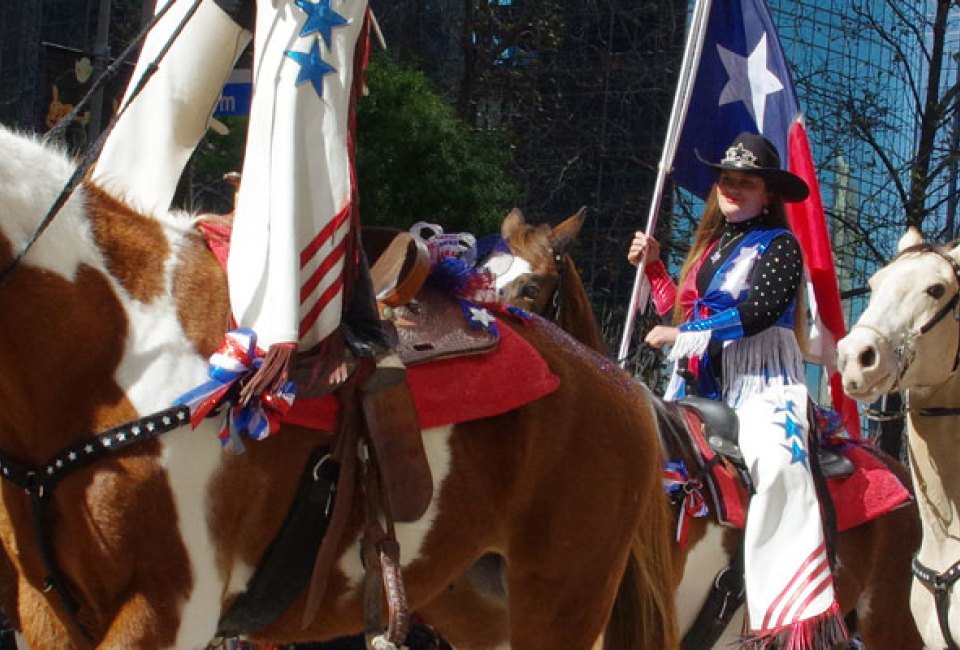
(741, 196)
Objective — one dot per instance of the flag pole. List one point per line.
(678, 113)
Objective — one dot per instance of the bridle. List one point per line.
(939, 583)
(552, 312)
(902, 342)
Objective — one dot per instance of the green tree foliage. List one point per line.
(417, 162)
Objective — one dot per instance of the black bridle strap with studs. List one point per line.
(39, 482)
(940, 584)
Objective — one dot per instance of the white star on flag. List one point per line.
(750, 80)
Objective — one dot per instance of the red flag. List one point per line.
(808, 223)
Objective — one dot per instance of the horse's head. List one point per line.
(529, 278)
(539, 275)
(908, 336)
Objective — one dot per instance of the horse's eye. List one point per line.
(936, 291)
(530, 291)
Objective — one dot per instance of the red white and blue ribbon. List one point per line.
(238, 357)
(676, 479)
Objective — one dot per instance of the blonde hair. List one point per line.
(711, 227)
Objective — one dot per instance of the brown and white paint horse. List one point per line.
(113, 314)
(873, 559)
(907, 339)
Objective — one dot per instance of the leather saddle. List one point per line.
(430, 324)
(722, 431)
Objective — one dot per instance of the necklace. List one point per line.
(724, 245)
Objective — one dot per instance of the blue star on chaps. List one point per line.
(321, 19)
(312, 67)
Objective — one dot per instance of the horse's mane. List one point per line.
(576, 313)
(32, 172)
(922, 247)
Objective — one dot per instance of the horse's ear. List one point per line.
(512, 223)
(566, 233)
(910, 238)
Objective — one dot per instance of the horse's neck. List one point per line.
(935, 464)
(576, 312)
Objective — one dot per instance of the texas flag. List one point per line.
(742, 83)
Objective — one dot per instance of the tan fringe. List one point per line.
(272, 373)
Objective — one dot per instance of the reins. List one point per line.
(38, 482)
(903, 349)
(94, 150)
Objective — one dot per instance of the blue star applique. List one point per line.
(797, 453)
(321, 19)
(312, 67)
(793, 428)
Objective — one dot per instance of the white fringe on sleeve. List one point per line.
(690, 344)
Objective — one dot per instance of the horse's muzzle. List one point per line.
(866, 363)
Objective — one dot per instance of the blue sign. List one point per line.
(234, 100)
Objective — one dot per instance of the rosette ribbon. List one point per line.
(676, 479)
(237, 358)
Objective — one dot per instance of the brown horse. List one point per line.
(907, 339)
(113, 314)
(873, 559)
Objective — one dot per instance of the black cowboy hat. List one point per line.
(754, 154)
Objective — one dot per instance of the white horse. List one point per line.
(909, 339)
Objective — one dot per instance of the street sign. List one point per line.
(235, 96)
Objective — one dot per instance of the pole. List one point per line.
(101, 58)
(681, 101)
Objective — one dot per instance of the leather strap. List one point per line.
(400, 270)
(941, 584)
(284, 569)
(725, 598)
(345, 453)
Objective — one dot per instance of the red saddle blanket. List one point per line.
(447, 391)
(870, 492)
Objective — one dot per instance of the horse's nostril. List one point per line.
(868, 358)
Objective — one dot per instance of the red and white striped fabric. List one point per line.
(790, 586)
(293, 245)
